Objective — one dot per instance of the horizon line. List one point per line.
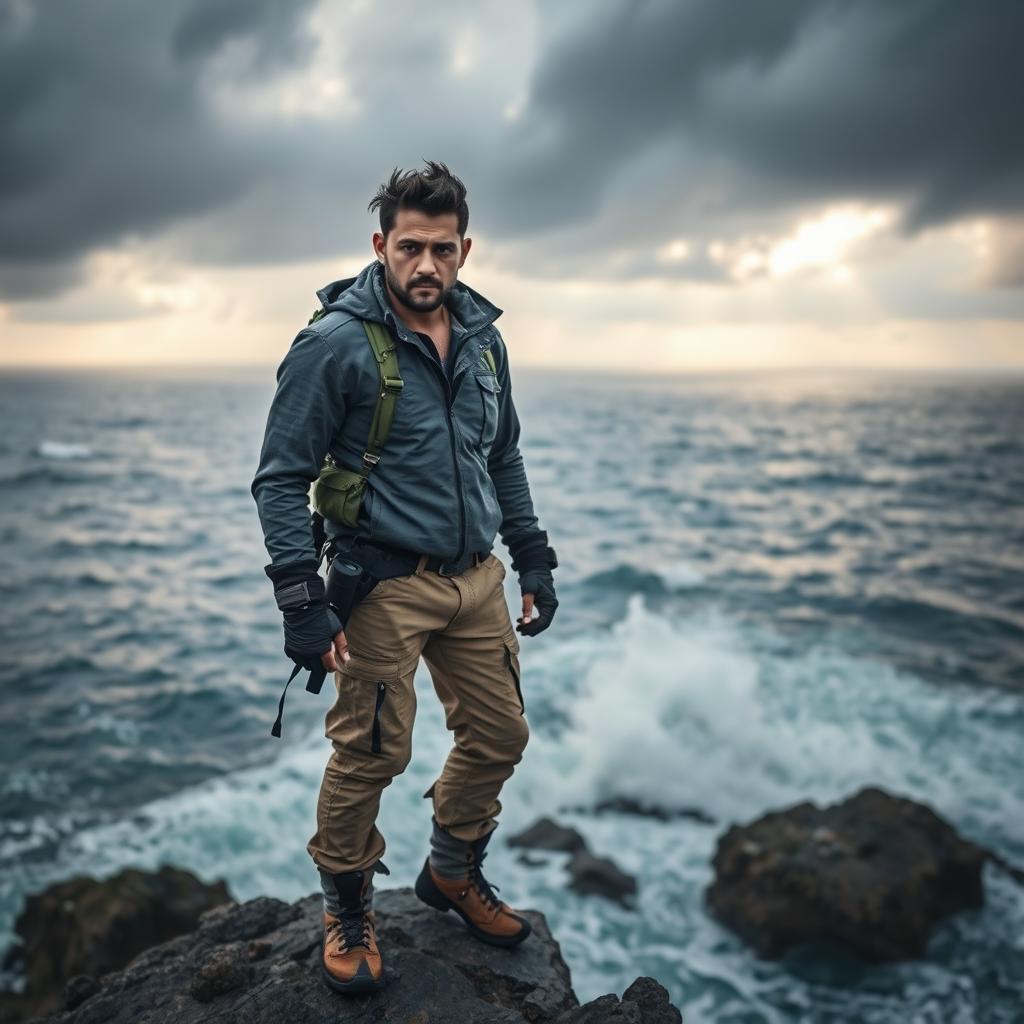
(1016, 369)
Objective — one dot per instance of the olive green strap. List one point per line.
(391, 385)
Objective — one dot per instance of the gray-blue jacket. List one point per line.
(450, 475)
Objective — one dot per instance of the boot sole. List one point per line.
(356, 987)
(429, 893)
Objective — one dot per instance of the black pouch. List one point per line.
(347, 584)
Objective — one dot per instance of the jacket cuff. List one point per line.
(532, 552)
(292, 572)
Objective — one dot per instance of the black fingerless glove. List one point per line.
(309, 624)
(540, 583)
(309, 633)
(534, 560)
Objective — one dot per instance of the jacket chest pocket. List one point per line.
(488, 388)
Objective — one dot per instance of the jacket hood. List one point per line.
(366, 297)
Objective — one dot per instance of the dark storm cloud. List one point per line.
(917, 101)
(104, 126)
(626, 79)
(209, 24)
(643, 121)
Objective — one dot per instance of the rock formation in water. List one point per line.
(588, 874)
(873, 874)
(82, 926)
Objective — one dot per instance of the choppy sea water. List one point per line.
(773, 587)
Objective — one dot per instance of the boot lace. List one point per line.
(482, 886)
(354, 927)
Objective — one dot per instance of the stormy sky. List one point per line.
(732, 184)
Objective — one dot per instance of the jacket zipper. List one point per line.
(455, 458)
(458, 479)
(382, 691)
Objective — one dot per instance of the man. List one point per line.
(448, 478)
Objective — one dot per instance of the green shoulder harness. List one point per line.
(338, 492)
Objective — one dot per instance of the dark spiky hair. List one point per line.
(434, 190)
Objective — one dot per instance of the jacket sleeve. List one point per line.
(505, 462)
(307, 410)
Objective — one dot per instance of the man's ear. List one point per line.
(377, 241)
(466, 243)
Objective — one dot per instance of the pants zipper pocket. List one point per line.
(515, 679)
(382, 692)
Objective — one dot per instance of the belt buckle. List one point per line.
(457, 570)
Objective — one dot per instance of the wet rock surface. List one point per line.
(874, 874)
(601, 877)
(588, 874)
(547, 834)
(644, 809)
(75, 931)
(259, 963)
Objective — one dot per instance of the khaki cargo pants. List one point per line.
(461, 627)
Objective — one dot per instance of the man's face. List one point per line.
(422, 257)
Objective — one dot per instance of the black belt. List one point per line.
(384, 561)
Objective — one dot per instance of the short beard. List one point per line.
(406, 298)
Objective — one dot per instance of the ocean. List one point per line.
(774, 587)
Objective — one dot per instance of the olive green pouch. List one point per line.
(338, 494)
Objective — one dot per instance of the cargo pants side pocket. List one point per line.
(511, 643)
(368, 716)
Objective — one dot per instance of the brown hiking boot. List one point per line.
(351, 961)
(487, 918)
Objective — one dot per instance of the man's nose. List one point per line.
(425, 267)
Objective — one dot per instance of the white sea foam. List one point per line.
(706, 712)
(701, 711)
(63, 450)
(680, 575)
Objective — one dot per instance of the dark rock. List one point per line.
(230, 971)
(631, 805)
(546, 834)
(222, 970)
(587, 874)
(600, 876)
(250, 920)
(652, 999)
(85, 926)
(257, 949)
(644, 1002)
(874, 873)
(533, 980)
(602, 1010)
(78, 989)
